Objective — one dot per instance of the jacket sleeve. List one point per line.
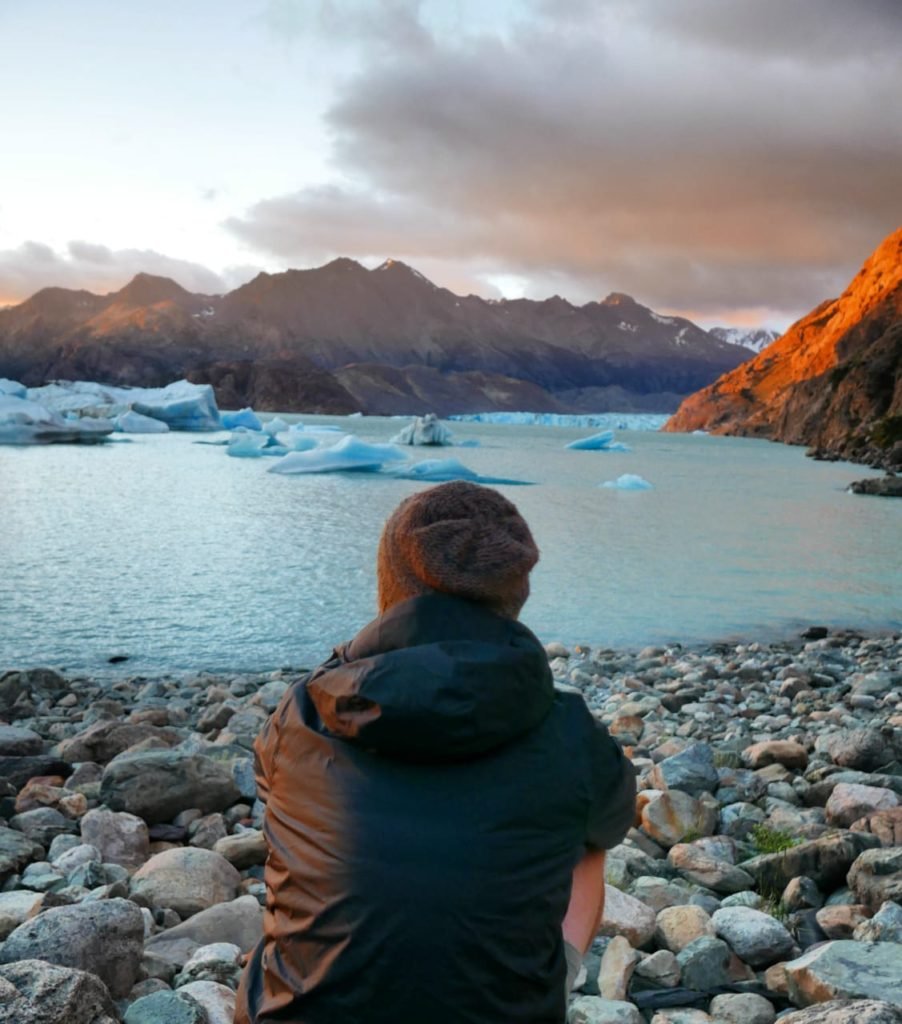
(612, 810)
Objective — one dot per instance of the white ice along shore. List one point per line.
(605, 420)
(79, 411)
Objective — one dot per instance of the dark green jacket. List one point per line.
(428, 795)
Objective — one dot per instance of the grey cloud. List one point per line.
(97, 268)
(809, 30)
(609, 150)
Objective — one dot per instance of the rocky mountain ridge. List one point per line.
(753, 338)
(341, 338)
(832, 381)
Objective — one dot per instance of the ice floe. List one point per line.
(23, 421)
(12, 387)
(603, 442)
(181, 405)
(443, 470)
(249, 444)
(132, 422)
(628, 482)
(350, 453)
(424, 430)
(276, 426)
(246, 418)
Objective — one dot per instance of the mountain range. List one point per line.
(832, 381)
(342, 338)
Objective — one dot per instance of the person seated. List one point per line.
(436, 811)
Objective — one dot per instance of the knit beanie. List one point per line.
(457, 538)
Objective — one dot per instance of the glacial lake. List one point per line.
(181, 558)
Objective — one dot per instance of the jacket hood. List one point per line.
(435, 678)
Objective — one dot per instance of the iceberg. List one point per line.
(443, 470)
(603, 442)
(23, 421)
(628, 482)
(246, 418)
(249, 444)
(350, 453)
(424, 430)
(132, 422)
(181, 405)
(615, 420)
(275, 426)
(12, 387)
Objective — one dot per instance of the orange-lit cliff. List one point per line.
(833, 380)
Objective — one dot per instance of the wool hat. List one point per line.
(458, 538)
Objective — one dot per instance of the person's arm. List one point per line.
(586, 907)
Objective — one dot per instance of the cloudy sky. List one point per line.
(733, 160)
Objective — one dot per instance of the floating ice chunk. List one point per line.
(249, 444)
(424, 430)
(603, 442)
(355, 415)
(593, 443)
(132, 422)
(443, 470)
(246, 418)
(23, 421)
(471, 442)
(299, 443)
(275, 426)
(350, 453)
(182, 405)
(628, 482)
(12, 387)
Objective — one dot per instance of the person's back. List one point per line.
(429, 794)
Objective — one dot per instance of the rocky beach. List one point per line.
(763, 879)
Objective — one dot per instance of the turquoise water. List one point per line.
(174, 554)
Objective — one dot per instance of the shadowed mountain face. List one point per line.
(833, 380)
(343, 338)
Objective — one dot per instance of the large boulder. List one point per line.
(120, 837)
(866, 749)
(158, 784)
(18, 742)
(674, 815)
(826, 861)
(187, 879)
(848, 803)
(625, 915)
(33, 683)
(16, 850)
(785, 752)
(847, 1011)
(239, 922)
(593, 1010)
(691, 770)
(36, 992)
(18, 770)
(700, 867)
(102, 741)
(755, 937)
(103, 937)
(16, 907)
(876, 876)
(846, 970)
